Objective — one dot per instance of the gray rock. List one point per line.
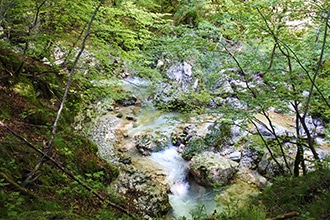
(145, 144)
(235, 156)
(131, 118)
(269, 168)
(209, 168)
(184, 135)
(103, 134)
(251, 177)
(128, 101)
(182, 74)
(149, 198)
(250, 158)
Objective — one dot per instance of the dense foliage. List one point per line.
(277, 49)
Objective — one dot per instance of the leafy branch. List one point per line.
(263, 112)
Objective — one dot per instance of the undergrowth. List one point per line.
(29, 101)
(307, 195)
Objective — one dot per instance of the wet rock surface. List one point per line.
(145, 144)
(209, 168)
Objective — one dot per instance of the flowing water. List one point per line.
(186, 196)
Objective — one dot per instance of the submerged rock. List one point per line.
(209, 168)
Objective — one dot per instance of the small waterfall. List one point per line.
(185, 195)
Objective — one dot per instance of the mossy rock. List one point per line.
(194, 147)
(237, 195)
(10, 63)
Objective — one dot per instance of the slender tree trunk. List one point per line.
(299, 160)
(33, 25)
(50, 145)
(268, 148)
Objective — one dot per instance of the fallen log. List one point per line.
(285, 216)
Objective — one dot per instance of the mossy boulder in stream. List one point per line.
(209, 168)
(145, 144)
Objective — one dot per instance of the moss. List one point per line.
(41, 215)
(26, 89)
(4, 110)
(11, 63)
(237, 195)
(30, 98)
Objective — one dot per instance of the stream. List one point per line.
(185, 195)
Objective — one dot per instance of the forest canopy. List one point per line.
(51, 52)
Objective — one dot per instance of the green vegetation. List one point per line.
(278, 50)
(194, 147)
(219, 134)
(307, 195)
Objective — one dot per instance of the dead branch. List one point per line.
(17, 186)
(285, 216)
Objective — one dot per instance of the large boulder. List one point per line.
(176, 93)
(143, 193)
(209, 168)
(245, 185)
(103, 134)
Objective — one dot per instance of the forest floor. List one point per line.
(27, 113)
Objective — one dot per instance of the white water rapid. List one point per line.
(186, 196)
